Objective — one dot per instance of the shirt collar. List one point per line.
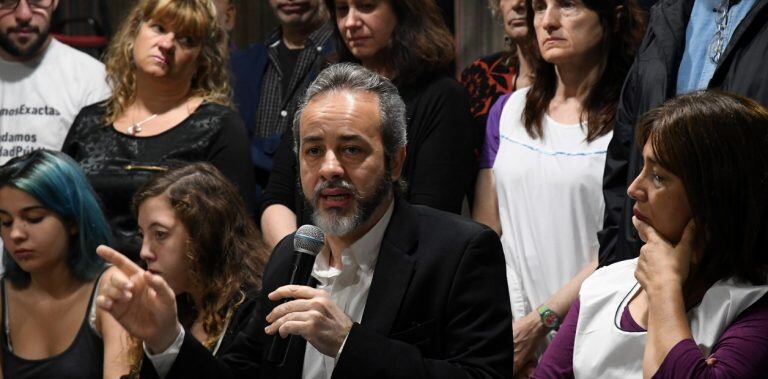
(362, 253)
(316, 38)
(366, 249)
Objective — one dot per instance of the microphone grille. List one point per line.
(309, 239)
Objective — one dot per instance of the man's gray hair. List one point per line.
(354, 77)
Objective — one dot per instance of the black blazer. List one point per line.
(437, 307)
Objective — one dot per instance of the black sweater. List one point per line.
(213, 133)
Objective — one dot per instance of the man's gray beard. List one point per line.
(341, 225)
(12, 49)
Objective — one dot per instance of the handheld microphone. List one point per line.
(307, 243)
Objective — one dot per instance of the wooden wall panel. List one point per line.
(254, 18)
(477, 33)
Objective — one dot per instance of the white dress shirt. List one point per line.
(348, 288)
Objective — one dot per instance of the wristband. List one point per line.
(549, 318)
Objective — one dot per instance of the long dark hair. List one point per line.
(716, 144)
(421, 44)
(621, 38)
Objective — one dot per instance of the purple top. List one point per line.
(491, 142)
(741, 352)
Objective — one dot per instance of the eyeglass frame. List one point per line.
(717, 47)
(11, 9)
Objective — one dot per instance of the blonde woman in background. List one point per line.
(170, 106)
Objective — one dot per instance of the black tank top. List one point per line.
(83, 359)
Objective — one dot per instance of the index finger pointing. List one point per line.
(118, 260)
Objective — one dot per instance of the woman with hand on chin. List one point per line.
(407, 42)
(50, 223)
(694, 303)
(199, 239)
(170, 106)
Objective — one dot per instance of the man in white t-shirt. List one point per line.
(43, 83)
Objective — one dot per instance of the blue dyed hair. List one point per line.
(58, 183)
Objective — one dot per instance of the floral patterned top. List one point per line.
(486, 79)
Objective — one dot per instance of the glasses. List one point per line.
(717, 46)
(12, 4)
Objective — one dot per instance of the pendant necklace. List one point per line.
(135, 128)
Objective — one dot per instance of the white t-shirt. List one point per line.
(40, 98)
(550, 203)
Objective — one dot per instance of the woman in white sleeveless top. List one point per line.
(694, 303)
(547, 202)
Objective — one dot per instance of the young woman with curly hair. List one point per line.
(198, 236)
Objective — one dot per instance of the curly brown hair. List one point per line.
(226, 252)
(196, 18)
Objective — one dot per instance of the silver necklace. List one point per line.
(135, 128)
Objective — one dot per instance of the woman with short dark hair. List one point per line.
(694, 303)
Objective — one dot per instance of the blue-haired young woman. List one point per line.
(51, 223)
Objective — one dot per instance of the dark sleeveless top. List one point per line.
(83, 359)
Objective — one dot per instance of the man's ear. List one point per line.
(396, 164)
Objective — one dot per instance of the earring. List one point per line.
(507, 41)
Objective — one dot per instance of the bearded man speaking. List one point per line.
(398, 290)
